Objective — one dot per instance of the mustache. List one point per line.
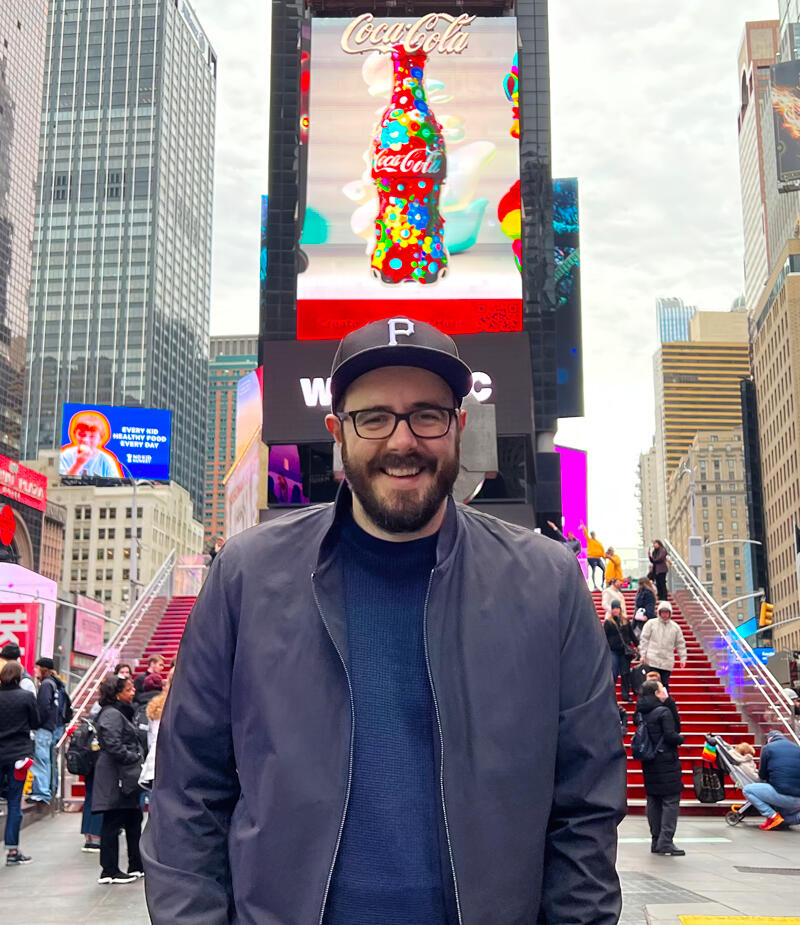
(395, 460)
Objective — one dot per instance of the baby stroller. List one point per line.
(737, 774)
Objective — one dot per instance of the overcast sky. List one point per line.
(644, 105)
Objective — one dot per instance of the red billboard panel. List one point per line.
(328, 319)
(19, 624)
(22, 484)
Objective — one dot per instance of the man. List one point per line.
(572, 543)
(777, 795)
(51, 728)
(595, 555)
(155, 665)
(659, 640)
(84, 455)
(391, 708)
(613, 565)
(11, 652)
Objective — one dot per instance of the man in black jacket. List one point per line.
(391, 709)
(51, 728)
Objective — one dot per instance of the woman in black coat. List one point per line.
(646, 601)
(116, 780)
(662, 775)
(618, 635)
(18, 715)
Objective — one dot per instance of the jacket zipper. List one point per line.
(352, 736)
(441, 747)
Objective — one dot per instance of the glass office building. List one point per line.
(23, 26)
(120, 297)
(672, 318)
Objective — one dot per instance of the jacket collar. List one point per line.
(342, 508)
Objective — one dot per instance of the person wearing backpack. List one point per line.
(656, 744)
(52, 702)
(82, 754)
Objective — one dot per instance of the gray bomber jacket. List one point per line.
(255, 744)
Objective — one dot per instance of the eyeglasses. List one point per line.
(378, 424)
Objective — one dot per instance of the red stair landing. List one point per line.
(167, 636)
(704, 706)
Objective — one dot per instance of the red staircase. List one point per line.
(704, 707)
(167, 636)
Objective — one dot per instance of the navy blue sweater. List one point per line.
(388, 868)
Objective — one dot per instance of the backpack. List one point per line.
(642, 746)
(83, 748)
(64, 711)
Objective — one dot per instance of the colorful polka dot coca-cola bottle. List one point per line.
(409, 165)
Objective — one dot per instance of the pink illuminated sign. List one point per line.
(574, 491)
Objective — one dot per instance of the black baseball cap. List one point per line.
(398, 341)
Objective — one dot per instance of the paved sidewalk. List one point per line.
(62, 880)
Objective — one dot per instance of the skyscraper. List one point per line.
(23, 25)
(122, 255)
(672, 318)
(231, 358)
(756, 54)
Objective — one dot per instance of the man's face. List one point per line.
(664, 614)
(401, 482)
(88, 435)
(155, 667)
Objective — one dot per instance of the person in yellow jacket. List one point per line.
(613, 565)
(595, 554)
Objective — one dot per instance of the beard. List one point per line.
(402, 511)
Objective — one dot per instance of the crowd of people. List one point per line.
(119, 741)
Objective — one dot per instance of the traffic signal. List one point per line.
(765, 617)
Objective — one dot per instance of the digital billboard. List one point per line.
(109, 442)
(785, 86)
(90, 622)
(567, 279)
(411, 150)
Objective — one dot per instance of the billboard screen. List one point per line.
(411, 156)
(90, 621)
(107, 442)
(567, 279)
(23, 484)
(574, 490)
(785, 86)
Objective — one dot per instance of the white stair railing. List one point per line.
(747, 680)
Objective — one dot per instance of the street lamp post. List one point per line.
(134, 579)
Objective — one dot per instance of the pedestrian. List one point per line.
(116, 781)
(155, 710)
(665, 698)
(572, 543)
(777, 794)
(613, 592)
(659, 568)
(620, 642)
(659, 641)
(11, 652)
(123, 670)
(214, 551)
(155, 665)
(18, 717)
(644, 606)
(663, 782)
(91, 823)
(613, 566)
(595, 556)
(391, 708)
(153, 687)
(50, 704)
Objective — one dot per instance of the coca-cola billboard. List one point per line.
(409, 157)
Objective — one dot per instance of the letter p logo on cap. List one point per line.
(394, 329)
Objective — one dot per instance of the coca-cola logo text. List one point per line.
(409, 163)
(362, 34)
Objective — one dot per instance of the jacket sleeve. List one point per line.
(763, 764)
(33, 713)
(680, 644)
(110, 733)
(185, 844)
(589, 789)
(672, 737)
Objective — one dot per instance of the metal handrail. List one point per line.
(760, 678)
(84, 694)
